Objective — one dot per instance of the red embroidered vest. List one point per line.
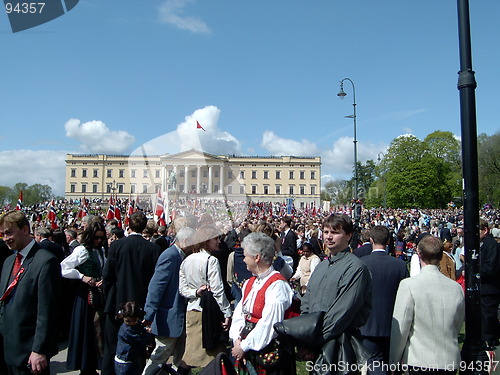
(260, 298)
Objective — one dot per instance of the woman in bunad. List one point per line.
(86, 263)
(266, 296)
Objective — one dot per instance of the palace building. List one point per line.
(193, 173)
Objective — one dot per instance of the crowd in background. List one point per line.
(144, 285)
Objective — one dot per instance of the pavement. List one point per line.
(58, 362)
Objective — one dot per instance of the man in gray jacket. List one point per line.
(340, 286)
(429, 308)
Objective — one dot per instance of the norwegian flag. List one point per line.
(51, 215)
(19, 206)
(130, 211)
(118, 215)
(111, 209)
(159, 211)
(84, 210)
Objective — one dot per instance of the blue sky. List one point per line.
(260, 76)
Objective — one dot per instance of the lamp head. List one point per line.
(341, 93)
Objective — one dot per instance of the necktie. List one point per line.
(17, 265)
(16, 273)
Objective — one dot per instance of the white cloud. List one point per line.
(96, 137)
(336, 163)
(171, 12)
(43, 167)
(187, 136)
(278, 146)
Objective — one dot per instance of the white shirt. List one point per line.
(76, 258)
(24, 252)
(278, 298)
(193, 274)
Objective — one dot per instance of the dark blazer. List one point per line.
(445, 234)
(490, 265)
(387, 272)
(130, 265)
(29, 316)
(53, 247)
(5, 252)
(289, 244)
(363, 251)
(165, 307)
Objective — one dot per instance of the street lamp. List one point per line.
(384, 179)
(342, 94)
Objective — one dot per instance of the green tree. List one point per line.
(337, 192)
(489, 168)
(414, 175)
(446, 148)
(31, 193)
(5, 195)
(366, 176)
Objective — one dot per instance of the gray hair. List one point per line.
(183, 235)
(43, 232)
(259, 243)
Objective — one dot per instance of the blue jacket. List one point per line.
(165, 307)
(132, 341)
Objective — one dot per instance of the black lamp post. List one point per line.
(473, 353)
(342, 95)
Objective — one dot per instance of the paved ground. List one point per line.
(58, 362)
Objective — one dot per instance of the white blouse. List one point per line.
(278, 298)
(193, 274)
(76, 258)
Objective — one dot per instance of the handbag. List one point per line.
(270, 355)
(304, 330)
(95, 298)
(211, 319)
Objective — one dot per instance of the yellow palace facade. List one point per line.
(193, 173)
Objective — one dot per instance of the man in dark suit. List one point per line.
(165, 308)
(366, 248)
(490, 286)
(387, 272)
(29, 303)
(42, 236)
(130, 265)
(288, 240)
(444, 233)
(71, 238)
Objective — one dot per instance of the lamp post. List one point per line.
(384, 179)
(342, 95)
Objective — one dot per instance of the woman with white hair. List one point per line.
(266, 296)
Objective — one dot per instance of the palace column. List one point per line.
(210, 179)
(198, 180)
(221, 176)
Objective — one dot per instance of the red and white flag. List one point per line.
(159, 211)
(118, 215)
(51, 215)
(111, 210)
(19, 206)
(198, 126)
(130, 210)
(83, 211)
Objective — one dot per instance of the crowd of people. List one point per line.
(131, 298)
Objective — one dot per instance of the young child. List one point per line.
(130, 358)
